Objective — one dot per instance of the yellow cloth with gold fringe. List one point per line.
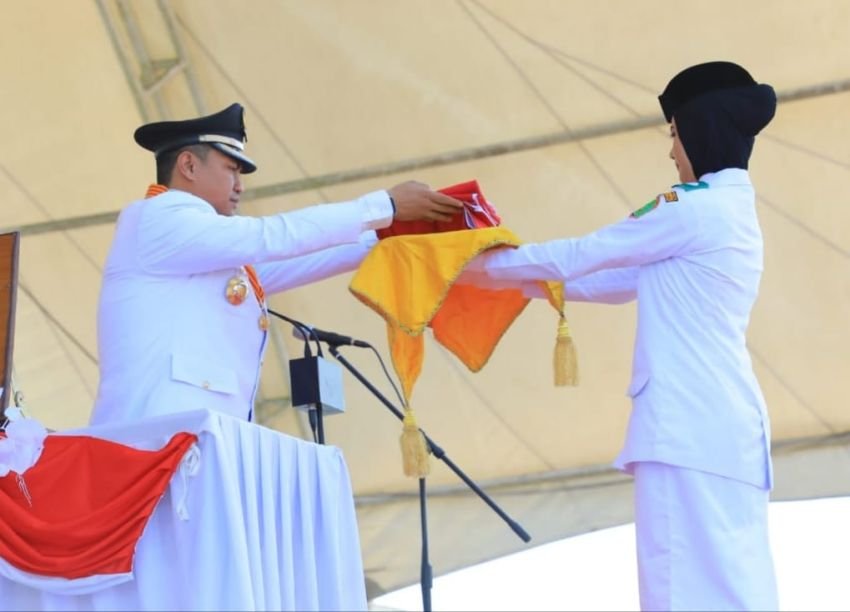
(410, 281)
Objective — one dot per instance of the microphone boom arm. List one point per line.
(436, 450)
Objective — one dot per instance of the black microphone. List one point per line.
(307, 332)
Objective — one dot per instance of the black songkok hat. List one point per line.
(719, 108)
(224, 130)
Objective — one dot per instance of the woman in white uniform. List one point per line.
(698, 441)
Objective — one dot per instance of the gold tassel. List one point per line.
(565, 361)
(414, 450)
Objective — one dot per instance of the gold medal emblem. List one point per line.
(236, 291)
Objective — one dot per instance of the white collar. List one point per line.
(727, 176)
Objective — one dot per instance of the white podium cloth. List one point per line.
(267, 523)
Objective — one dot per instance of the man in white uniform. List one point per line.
(698, 440)
(182, 318)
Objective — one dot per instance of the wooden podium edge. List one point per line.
(9, 249)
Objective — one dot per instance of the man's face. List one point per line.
(218, 180)
(680, 157)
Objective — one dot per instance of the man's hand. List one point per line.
(416, 201)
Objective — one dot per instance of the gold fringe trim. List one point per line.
(565, 360)
(414, 449)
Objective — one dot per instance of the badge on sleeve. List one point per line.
(670, 196)
(649, 206)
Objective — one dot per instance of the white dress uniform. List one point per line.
(693, 260)
(168, 338)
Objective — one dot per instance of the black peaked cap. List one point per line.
(224, 130)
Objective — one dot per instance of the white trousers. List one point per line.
(702, 541)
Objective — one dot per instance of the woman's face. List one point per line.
(680, 157)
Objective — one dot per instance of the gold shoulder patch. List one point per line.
(670, 196)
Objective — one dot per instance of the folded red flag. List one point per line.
(477, 213)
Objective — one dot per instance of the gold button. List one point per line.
(205, 384)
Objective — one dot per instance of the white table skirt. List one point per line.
(271, 526)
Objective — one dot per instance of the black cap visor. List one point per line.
(247, 165)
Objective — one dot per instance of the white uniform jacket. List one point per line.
(693, 260)
(168, 339)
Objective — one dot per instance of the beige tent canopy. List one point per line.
(551, 106)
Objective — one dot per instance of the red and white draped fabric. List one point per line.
(250, 520)
(71, 522)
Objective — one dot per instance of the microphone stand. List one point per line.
(439, 453)
(317, 422)
(320, 428)
(426, 575)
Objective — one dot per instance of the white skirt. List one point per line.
(702, 541)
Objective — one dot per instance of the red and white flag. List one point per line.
(72, 508)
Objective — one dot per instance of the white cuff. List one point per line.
(377, 210)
